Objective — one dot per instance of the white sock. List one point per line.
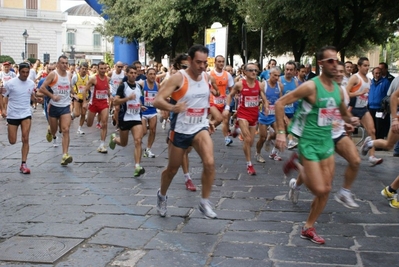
(137, 165)
(345, 191)
(79, 128)
(204, 201)
(370, 144)
(187, 176)
(249, 163)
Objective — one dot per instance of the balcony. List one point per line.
(32, 14)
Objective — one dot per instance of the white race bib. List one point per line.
(327, 116)
(194, 115)
(133, 109)
(102, 94)
(251, 101)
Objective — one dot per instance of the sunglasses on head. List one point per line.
(330, 60)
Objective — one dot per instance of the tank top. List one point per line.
(101, 90)
(288, 87)
(314, 122)
(80, 85)
(249, 101)
(196, 96)
(222, 82)
(61, 86)
(148, 98)
(360, 101)
(272, 95)
(116, 80)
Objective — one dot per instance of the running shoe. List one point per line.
(293, 194)
(24, 169)
(112, 142)
(275, 156)
(148, 153)
(251, 170)
(80, 131)
(235, 132)
(206, 209)
(49, 136)
(364, 149)
(55, 144)
(138, 171)
(310, 234)
(259, 158)
(388, 195)
(98, 126)
(190, 185)
(292, 144)
(346, 200)
(66, 159)
(102, 149)
(375, 161)
(162, 205)
(289, 165)
(394, 203)
(228, 141)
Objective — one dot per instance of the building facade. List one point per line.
(31, 29)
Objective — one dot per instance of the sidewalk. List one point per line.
(95, 213)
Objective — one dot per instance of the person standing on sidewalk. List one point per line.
(60, 101)
(19, 91)
(312, 124)
(189, 92)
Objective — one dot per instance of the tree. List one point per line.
(4, 58)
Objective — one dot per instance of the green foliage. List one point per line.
(4, 58)
(32, 60)
(109, 60)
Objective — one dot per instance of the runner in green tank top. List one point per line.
(312, 124)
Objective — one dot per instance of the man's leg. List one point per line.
(104, 123)
(137, 132)
(186, 171)
(262, 138)
(174, 163)
(65, 122)
(368, 124)
(248, 134)
(153, 127)
(25, 129)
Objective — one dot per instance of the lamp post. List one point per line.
(26, 35)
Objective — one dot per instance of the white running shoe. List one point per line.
(80, 132)
(206, 209)
(346, 200)
(162, 205)
(148, 153)
(375, 161)
(55, 144)
(293, 194)
(102, 149)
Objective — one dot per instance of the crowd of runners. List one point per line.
(292, 108)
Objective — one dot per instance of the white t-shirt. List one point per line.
(19, 96)
(32, 75)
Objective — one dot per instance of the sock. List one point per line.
(274, 150)
(137, 165)
(345, 191)
(391, 190)
(204, 201)
(370, 144)
(102, 143)
(79, 128)
(163, 198)
(187, 176)
(249, 163)
(226, 138)
(23, 162)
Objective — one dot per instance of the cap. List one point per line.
(6, 63)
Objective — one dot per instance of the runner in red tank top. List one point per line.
(250, 90)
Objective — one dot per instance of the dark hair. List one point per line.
(101, 63)
(350, 62)
(23, 65)
(361, 60)
(291, 63)
(151, 68)
(197, 48)
(302, 66)
(216, 58)
(136, 62)
(63, 57)
(84, 64)
(131, 67)
(94, 64)
(375, 69)
(246, 65)
(320, 53)
(72, 64)
(177, 61)
(384, 64)
(270, 61)
(342, 63)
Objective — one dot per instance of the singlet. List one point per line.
(115, 80)
(80, 85)
(148, 98)
(222, 81)
(272, 95)
(61, 86)
(196, 96)
(101, 90)
(131, 110)
(360, 101)
(249, 101)
(314, 122)
(288, 87)
(340, 123)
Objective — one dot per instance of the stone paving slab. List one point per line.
(97, 201)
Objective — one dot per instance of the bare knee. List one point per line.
(321, 190)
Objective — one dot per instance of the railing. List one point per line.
(88, 48)
(32, 13)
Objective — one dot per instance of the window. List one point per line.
(97, 40)
(32, 51)
(31, 8)
(70, 38)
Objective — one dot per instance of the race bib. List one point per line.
(149, 101)
(102, 94)
(272, 110)
(251, 101)
(220, 100)
(362, 100)
(327, 116)
(81, 89)
(194, 115)
(63, 89)
(133, 109)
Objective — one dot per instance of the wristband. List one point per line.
(281, 132)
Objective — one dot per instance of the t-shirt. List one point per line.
(19, 95)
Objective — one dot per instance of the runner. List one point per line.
(189, 91)
(5, 75)
(78, 83)
(60, 100)
(250, 90)
(20, 92)
(99, 102)
(312, 124)
(116, 76)
(128, 97)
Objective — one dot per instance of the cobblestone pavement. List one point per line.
(95, 213)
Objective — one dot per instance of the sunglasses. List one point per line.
(119, 67)
(183, 66)
(50, 69)
(330, 60)
(252, 70)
